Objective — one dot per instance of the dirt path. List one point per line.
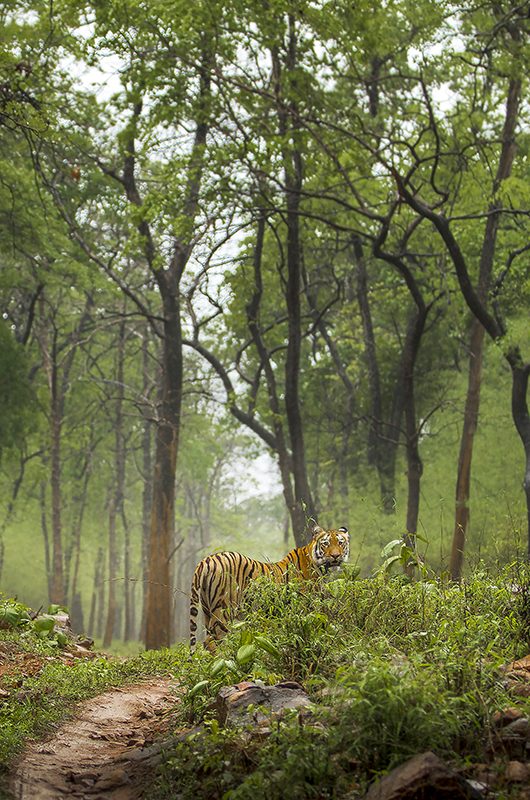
(108, 751)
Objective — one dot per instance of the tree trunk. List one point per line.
(282, 452)
(45, 532)
(100, 605)
(293, 177)
(98, 576)
(162, 525)
(112, 565)
(161, 535)
(383, 437)
(414, 473)
(343, 453)
(521, 418)
(463, 480)
(147, 471)
(414, 462)
(128, 584)
(58, 375)
(75, 550)
(116, 510)
(57, 590)
(76, 614)
(404, 391)
(302, 490)
(120, 458)
(472, 406)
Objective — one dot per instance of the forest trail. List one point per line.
(107, 752)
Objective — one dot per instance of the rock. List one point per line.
(77, 651)
(112, 779)
(85, 642)
(61, 623)
(519, 727)
(232, 702)
(517, 676)
(480, 786)
(521, 667)
(512, 739)
(423, 777)
(502, 718)
(516, 772)
(482, 773)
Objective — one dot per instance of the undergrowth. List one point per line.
(394, 668)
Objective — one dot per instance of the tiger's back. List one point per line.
(219, 580)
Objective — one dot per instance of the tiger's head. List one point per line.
(329, 549)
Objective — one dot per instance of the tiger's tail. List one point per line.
(194, 605)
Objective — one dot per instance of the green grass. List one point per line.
(394, 668)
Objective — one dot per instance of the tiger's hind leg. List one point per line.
(216, 627)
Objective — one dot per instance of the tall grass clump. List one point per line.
(466, 631)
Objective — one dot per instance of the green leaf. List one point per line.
(245, 654)
(218, 666)
(337, 587)
(389, 561)
(407, 553)
(387, 549)
(9, 616)
(43, 625)
(246, 637)
(198, 688)
(267, 645)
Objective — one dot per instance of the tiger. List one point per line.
(219, 580)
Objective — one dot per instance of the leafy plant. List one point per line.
(13, 614)
(398, 552)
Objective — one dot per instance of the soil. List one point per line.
(109, 751)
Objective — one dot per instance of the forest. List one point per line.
(263, 264)
(254, 273)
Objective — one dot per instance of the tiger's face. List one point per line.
(329, 549)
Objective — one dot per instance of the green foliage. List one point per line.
(396, 552)
(375, 716)
(375, 93)
(293, 762)
(393, 668)
(16, 616)
(309, 636)
(385, 711)
(13, 614)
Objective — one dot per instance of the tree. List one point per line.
(164, 227)
(503, 58)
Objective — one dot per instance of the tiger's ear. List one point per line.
(317, 529)
(343, 530)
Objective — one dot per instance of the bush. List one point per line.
(291, 764)
(383, 713)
